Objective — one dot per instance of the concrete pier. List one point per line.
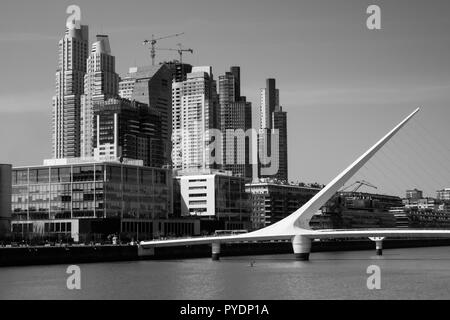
(378, 245)
(215, 251)
(302, 247)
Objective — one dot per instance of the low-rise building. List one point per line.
(443, 194)
(78, 198)
(414, 194)
(273, 201)
(217, 198)
(357, 210)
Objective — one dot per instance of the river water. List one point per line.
(419, 273)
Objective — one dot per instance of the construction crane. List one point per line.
(154, 41)
(359, 184)
(180, 51)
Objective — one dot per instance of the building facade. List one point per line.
(272, 202)
(83, 197)
(152, 85)
(236, 118)
(414, 194)
(272, 120)
(213, 196)
(178, 70)
(128, 129)
(5, 198)
(66, 114)
(195, 112)
(444, 194)
(100, 83)
(357, 210)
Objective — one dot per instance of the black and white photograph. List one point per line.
(225, 154)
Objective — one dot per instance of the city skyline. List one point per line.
(384, 89)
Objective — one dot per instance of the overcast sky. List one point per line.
(343, 86)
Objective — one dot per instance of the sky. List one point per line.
(343, 86)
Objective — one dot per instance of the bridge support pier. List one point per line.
(302, 247)
(215, 256)
(378, 245)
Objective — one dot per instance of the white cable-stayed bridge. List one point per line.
(296, 227)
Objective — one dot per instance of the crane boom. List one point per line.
(154, 41)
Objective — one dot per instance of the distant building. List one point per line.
(422, 203)
(235, 116)
(270, 101)
(414, 194)
(152, 85)
(420, 217)
(128, 129)
(195, 112)
(272, 202)
(66, 113)
(100, 83)
(215, 197)
(443, 194)
(5, 198)
(272, 117)
(280, 124)
(357, 210)
(80, 199)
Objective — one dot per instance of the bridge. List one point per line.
(296, 227)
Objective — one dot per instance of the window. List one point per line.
(197, 202)
(197, 195)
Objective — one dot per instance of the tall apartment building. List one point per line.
(235, 114)
(100, 83)
(194, 113)
(152, 85)
(272, 118)
(128, 129)
(270, 101)
(73, 51)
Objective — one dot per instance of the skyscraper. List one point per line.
(235, 114)
(270, 101)
(195, 111)
(100, 83)
(73, 53)
(272, 117)
(152, 85)
(279, 118)
(128, 129)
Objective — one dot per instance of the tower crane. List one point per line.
(180, 51)
(154, 41)
(359, 184)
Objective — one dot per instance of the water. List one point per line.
(422, 273)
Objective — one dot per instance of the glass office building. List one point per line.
(73, 195)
